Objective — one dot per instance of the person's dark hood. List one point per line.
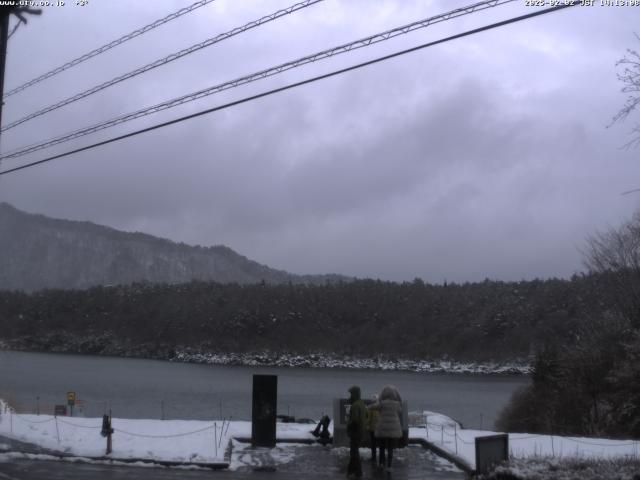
(355, 393)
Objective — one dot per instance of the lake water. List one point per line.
(135, 388)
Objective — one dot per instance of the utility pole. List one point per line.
(4, 37)
(5, 12)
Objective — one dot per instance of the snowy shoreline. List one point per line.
(325, 360)
(290, 360)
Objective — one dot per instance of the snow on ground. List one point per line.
(191, 441)
(570, 469)
(244, 455)
(447, 434)
(194, 441)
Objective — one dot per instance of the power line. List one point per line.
(293, 85)
(324, 54)
(164, 61)
(108, 46)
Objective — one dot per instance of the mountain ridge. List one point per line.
(39, 252)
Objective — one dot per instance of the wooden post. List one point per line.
(109, 433)
(455, 433)
(221, 432)
(215, 437)
(426, 424)
(4, 37)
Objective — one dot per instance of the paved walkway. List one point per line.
(285, 461)
(317, 462)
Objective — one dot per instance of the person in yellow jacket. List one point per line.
(356, 428)
(372, 422)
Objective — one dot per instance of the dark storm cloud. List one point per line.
(482, 157)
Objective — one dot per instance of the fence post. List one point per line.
(441, 434)
(553, 450)
(57, 430)
(221, 433)
(215, 438)
(426, 424)
(109, 433)
(455, 433)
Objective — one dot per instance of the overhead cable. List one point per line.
(291, 86)
(322, 55)
(108, 46)
(164, 61)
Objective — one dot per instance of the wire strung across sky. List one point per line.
(108, 46)
(293, 85)
(322, 55)
(165, 60)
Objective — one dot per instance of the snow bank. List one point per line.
(188, 441)
(569, 468)
(244, 455)
(446, 433)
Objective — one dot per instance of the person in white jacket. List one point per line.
(389, 428)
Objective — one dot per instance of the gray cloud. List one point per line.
(484, 157)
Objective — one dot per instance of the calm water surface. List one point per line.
(134, 388)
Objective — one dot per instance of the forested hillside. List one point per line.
(472, 321)
(39, 252)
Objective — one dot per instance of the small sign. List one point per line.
(71, 398)
(60, 410)
(491, 450)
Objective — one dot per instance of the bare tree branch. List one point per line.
(615, 254)
(630, 79)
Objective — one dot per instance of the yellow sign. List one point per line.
(71, 398)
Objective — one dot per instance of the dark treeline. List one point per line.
(590, 385)
(490, 320)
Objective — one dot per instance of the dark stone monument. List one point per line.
(265, 407)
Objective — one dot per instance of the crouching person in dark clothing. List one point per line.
(356, 430)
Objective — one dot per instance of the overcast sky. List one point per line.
(487, 156)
